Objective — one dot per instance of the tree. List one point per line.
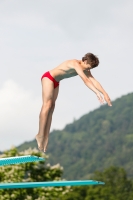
(30, 172)
(117, 187)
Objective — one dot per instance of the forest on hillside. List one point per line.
(99, 139)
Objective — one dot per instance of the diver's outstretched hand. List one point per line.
(100, 98)
(107, 99)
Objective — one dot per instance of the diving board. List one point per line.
(19, 159)
(49, 184)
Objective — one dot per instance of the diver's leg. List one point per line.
(47, 97)
(49, 120)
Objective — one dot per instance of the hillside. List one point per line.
(96, 141)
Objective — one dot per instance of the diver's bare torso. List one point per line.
(65, 70)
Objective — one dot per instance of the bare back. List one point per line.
(64, 70)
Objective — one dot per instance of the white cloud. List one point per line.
(19, 110)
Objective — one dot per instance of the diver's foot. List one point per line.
(45, 145)
(44, 151)
(39, 140)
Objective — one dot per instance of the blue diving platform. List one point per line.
(19, 159)
(49, 184)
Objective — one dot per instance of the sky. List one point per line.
(36, 36)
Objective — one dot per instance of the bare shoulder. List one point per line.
(73, 63)
(68, 64)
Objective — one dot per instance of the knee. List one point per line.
(47, 107)
(52, 107)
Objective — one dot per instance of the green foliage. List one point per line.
(96, 141)
(30, 172)
(117, 187)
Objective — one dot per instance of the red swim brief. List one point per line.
(48, 75)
